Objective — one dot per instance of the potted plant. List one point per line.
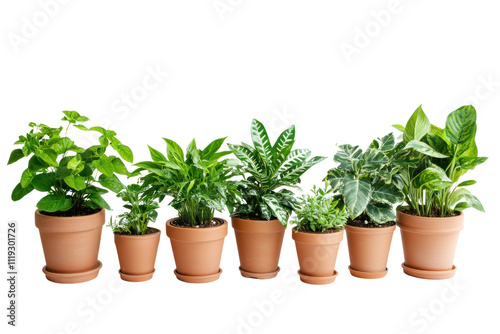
(369, 185)
(200, 183)
(136, 242)
(431, 221)
(71, 214)
(317, 233)
(259, 223)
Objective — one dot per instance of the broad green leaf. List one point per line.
(174, 151)
(335, 178)
(47, 155)
(212, 148)
(36, 164)
(104, 165)
(296, 171)
(466, 183)
(43, 182)
(53, 203)
(461, 125)
(19, 192)
(266, 212)
(261, 140)
(125, 152)
(157, 156)
(74, 162)
(424, 148)
(380, 212)
(284, 143)
(399, 127)
(75, 182)
(387, 142)
(26, 177)
(278, 211)
(111, 182)
(119, 167)
(418, 126)
(247, 156)
(374, 159)
(464, 194)
(97, 199)
(470, 162)
(294, 158)
(15, 156)
(81, 127)
(437, 143)
(356, 193)
(432, 178)
(387, 193)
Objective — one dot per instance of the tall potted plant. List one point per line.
(260, 221)
(317, 233)
(369, 185)
(71, 214)
(199, 183)
(431, 221)
(136, 242)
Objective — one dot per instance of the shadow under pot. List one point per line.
(259, 246)
(197, 251)
(317, 254)
(369, 250)
(137, 255)
(71, 246)
(429, 244)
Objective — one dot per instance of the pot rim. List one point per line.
(460, 214)
(318, 238)
(38, 213)
(429, 225)
(370, 230)
(137, 236)
(257, 226)
(169, 224)
(193, 234)
(55, 224)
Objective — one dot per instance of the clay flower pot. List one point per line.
(369, 250)
(137, 255)
(429, 244)
(197, 251)
(71, 246)
(259, 246)
(317, 253)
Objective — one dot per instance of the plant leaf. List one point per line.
(357, 193)
(19, 192)
(97, 199)
(424, 148)
(461, 125)
(15, 156)
(432, 178)
(387, 193)
(276, 207)
(53, 203)
(380, 212)
(261, 140)
(113, 183)
(418, 126)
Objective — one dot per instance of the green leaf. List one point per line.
(278, 211)
(104, 165)
(36, 164)
(74, 162)
(437, 143)
(174, 151)
(43, 182)
(418, 126)
(246, 155)
(296, 171)
(119, 167)
(380, 213)
(125, 152)
(284, 143)
(356, 193)
(470, 162)
(81, 127)
(432, 178)
(111, 182)
(461, 125)
(387, 142)
(157, 156)
(26, 178)
(47, 155)
(75, 182)
(336, 178)
(99, 201)
(424, 148)
(19, 192)
(15, 156)
(464, 194)
(387, 193)
(399, 127)
(266, 212)
(261, 140)
(294, 158)
(374, 159)
(466, 183)
(212, 148)
(53, 203)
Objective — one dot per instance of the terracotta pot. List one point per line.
(369, 250)
(259, 246)
(71, 246)
(317, 253)
(197, 251)
(429, 244)
(137, 255)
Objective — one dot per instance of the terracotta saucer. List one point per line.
(369, 275)
(248, 274)
(198, 279)
(429, 274)
(136, 278)
(73, 277)
(318, 280)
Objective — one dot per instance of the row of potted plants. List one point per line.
(421, 169)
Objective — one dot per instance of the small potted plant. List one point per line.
(369, 185)
(259, 222)
(136, 242)
(432, 218)
(199, 183)
(71, 214)
(317, 233)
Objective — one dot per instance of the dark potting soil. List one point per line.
(327, 231)
(73, 212)
(206, 224)
(365, 221)
(251, 216)
(150, 230)
(435, 212)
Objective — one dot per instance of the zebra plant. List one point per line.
(368, 182)
(270, 170)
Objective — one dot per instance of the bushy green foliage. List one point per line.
(271, 169)
(442, 156)
(200, 182)
(66, 172)
(319, 211)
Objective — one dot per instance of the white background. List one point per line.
(282, 63)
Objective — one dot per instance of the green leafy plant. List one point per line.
(141, 210)
(443, 156)
(368, 182)
(319, 211)
(271, 169)
(67, 172)
(200, 183)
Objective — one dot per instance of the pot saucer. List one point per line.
(198, 279)
(73, 277)
(318, 279)
(248, 274)
(369, 275)
(429, 274)
(136, 278)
